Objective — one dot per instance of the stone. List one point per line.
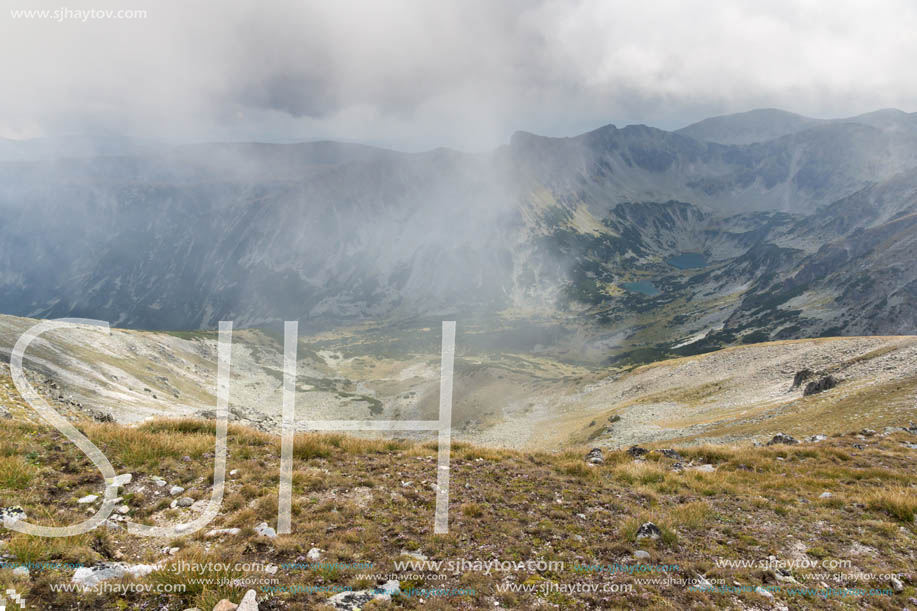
(825, 495)
(353, 601)
(225, 605)
(637, 451)
(867, 432)
(218, 532)
(123, 509)
(678, 467)
(249, 602)
(8, 515)
(826, 383)
(90, 576)
(816, 438)
(265, 531)
(234, 472)
(763, 592)
(802, 376)
(314, 554)
(89, 498)
(896, 584)
(158, 481)
(782, 439)
(21, 571)
(594, 457)
(670, 453)
(185, 501)
(175, 490)
(648, 530)
(703, 468)
(119, 481)
(641, 555)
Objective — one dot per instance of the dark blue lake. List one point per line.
(647, 288)
(688, 260)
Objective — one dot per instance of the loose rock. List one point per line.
(782, 438)
(352, 601)
(11, 514)
(594, 457)
(249, 602)
(648, 530)
(637, 451)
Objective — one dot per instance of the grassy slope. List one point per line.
(350, 501)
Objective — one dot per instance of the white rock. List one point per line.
(641, 555)
(21, 571)
(218, 532)
(825, 495)
(89, 498)
(176, 490)
(704, 468)
(763, 592)
(249, 602)
(90, 576)
(314, 554)
(356, 600)
(123, 509)
(122, 480)
(265, 531)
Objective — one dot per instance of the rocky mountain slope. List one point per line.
(501, 398)
(825, 524)
(756, 226)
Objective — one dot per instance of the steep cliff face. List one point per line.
(690, 233)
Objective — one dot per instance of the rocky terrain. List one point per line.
(823, 523)
(632, 240)
(501, 399)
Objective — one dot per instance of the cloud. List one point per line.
(467, 73)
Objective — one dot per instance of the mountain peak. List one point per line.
(758, 125)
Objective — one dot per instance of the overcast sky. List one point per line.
(466, 73)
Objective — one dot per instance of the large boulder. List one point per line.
(802, 376)
(594, 457)
(782, 439)
(637, 451)
(826, 383)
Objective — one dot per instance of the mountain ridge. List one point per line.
(332, 233)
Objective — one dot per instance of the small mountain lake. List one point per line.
(688, 260)
(647, 288)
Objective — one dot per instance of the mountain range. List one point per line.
(620, 243)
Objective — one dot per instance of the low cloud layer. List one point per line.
(465, 73)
